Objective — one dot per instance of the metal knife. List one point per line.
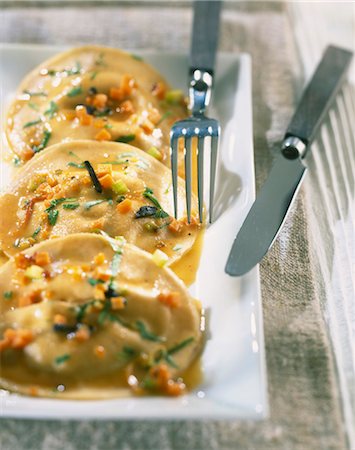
(270, 208)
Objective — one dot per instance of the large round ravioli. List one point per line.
(94, 93)
(54, 195)
(84, 315)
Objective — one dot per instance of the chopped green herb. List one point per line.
(35, 94)
(93, 176)
(126, 139)
(58, 201)
(71, 205)
(93, 75)
(81, 310)
(52, 216)
(77, 90)
(160, 213)
(16, 161)
(146, 334)
(31, 124)
(136, 57)
(177, 248)
(8, 295)
(73, 154)
(164, 116)
(108, 126)
(62, 359)
(46, 136)
(75, 70)
(33, 106)
(36, 232)
(89, 205)
(53, 108)
(100, 60)
(95, 281)
(105, 112)
(127, 353)
(180, 346)
(77, 165)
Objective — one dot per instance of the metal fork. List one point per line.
(202, 61)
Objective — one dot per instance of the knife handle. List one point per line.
(205, 35)
(316, 101)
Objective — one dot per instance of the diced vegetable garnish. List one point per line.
(174, 97)
(153, 151)
(34, 272)
(120, 187)
(160, 258)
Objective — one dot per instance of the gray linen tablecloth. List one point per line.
(305, 403)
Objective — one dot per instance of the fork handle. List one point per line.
(205, 35)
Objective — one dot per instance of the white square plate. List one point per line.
(234, 383)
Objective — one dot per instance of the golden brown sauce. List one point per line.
(186, 268)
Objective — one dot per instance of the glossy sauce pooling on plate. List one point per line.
(94, 93)
(54, 195)
(86, 311)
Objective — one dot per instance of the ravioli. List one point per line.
(90, 314)
(96, 93)
(54, 196)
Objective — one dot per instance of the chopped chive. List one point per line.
(180, 346)
(164, 116)
(16, 161)
(81, 310)
(75, 70)
(95, 281)
(58, 201)
(160, 213)
(89, 205)
(127, 353)
(31, 124)
(127, 138)
(52, 216)
(53, 108)
(35, 94)
(33, 106)
(93, 75)
(136, 57)
(93, 176)
(146, 334)
(8, 295)
(46, 136)
(177, 248)
(73, 154)
(77, 90)
(62, 358)
(71, 205)
(77, 165)
(36, 232)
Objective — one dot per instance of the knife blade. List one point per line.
(268, 213)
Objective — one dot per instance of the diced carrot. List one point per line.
(51, 180)
(86, 180)
(99, 123)
(125, 206)
(22, 261)
(69, 115)
(99, 259)
(86, 120)
(127, 107)
(127, 84)
(159, 90)
(33, 391)
(100, 100)
(30, 298)
(175, 226)
(106, 181)
(59, 319)
(27, 154)
(99, 292)
(147, 127)
(103, 135)
(80, 111)
(99, 351)
(171, 299)
(154, 115)
(42, 258)
(16, 339)
(103, 169)
(98, 224)
(175, 388)
(118, 303)
(82, 334)
(116, 93)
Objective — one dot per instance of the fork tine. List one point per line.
(214, 148)
(174, 171)
(188, 176)
(200, 151)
